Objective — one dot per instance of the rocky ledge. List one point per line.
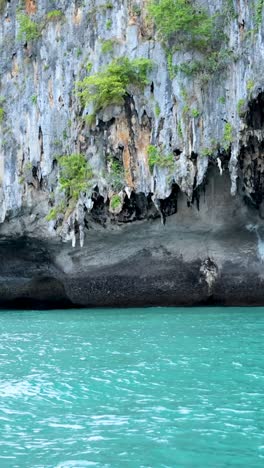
(207, 252)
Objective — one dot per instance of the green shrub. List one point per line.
(90, 119)
(250, 85)
(136, 11)
(156, 157)
(115, 202)
(181, 20)
(2, 6)
(157, 110)
(206, 152)
(75, 175)
(111, 85)
(89, 67)
(34, 99)
(79, 52)
(108, 24)
(241, 107)
(195, 113)
(108, 6)
(54, 15)
(107, 46)
(55, 211)
(214, 61)
(179, 130)
(258, 13)
(172, 69)
(228, 136)
(185, 24)
(2, 113)
(28, 29)
(116, 176)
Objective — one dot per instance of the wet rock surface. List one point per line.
(204, 256)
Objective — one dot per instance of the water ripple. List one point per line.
(155, 388)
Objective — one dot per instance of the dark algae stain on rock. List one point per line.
(131, 153)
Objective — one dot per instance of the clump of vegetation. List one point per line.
(214, 61)
(259, 11)
(195, 113)
(115, 202)
(107, 6)
(156, 157)
(75, 175)
(2, 6)
(107, 46)
(136, 11)
(28, 29)
(184, 24)
(182, 20)
(2, 113)
(78, 52)
(228, 136)
(89, 67)
(90, 119)
(116, 175)
(179, 130)
(241, 107)
(54, 15)
(172, 69)
(157, 110)
(108, 24)
(222, 100)
(110, 86)
(206, 152)
(34, 99)
(250, 85)
(211, 150)
(55, 211)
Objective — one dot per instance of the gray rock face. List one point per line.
(210, 249)
(213, 255)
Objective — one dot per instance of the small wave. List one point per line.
(76, 464)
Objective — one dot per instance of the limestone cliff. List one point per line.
(183, 146)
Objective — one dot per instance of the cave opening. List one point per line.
(255, 113)
(251, 156)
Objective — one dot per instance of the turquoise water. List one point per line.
(132, 388)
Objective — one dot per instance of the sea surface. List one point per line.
(132, 388)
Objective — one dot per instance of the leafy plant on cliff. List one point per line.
(156, 157)
(183, 21)
(55, 211)
(2, 113)
(54, 15)
(28, 29)
(250, 85)
(259, 12)
(108, 46)
(110, 86)
(108, 24)
(241, 107)
(116, 174)
(2, 6)
(115, 202)
(195, 113)
(75, 175)
(74, 178)
(228, 136)
(185, 24)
